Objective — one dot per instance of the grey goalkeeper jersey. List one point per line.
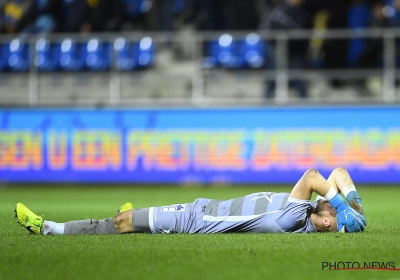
(257, 212)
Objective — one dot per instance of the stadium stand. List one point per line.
(70, 55)
(191, 52)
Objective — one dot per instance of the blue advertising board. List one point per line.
(271, 145)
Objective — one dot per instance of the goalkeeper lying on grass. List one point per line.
(265, 212)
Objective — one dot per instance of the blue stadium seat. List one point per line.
(72, 55)
(97, 55)
(18, 56)
(4, 49)
(222, 52)
(252, 52)
(131, 56)
(134, 8)
(47, 56)
(144, 52)
(124, 55)
(226, 52)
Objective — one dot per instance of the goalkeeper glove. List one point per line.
(354, 200)
(351, 220)
(347, 216)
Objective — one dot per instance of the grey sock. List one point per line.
(91, 226)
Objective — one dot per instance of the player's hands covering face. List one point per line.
(350, 220)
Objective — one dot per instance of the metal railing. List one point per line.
(196, 40)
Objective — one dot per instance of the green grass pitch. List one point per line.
(218, 256)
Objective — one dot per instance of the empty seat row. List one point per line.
(70, 55)
(225, 52)
(125, 55)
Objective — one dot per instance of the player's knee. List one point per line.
(340, 170)
(309, 176)
(311, 173)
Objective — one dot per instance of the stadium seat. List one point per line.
(18, 56)
(131, 56)
(145, 52)
(47, 56)
(252, 52)
(226, 52)
(222, 52)
(72, 55)
(124, 56)
(134, 8)
(97, 55)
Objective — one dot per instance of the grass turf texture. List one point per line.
(218, 256)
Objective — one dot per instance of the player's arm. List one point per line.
(341, 180)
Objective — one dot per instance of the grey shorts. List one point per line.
(177, 218)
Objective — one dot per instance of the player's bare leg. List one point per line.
(311, 181)
(340, 179)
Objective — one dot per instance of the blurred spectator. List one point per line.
(16, 15)
(103, 15)
(394, 21)
(289, 14)
(372, 56)
(142, 15)
(379, 18)
(315, 53)
(335, 50)
(231, 15)
(216, 14)
(393, 13)
(359, 18)
(72, 16)
(196, 14)
(2, 27)
(46, 12)
(170, 14)
(241, 14)
(166, 14)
